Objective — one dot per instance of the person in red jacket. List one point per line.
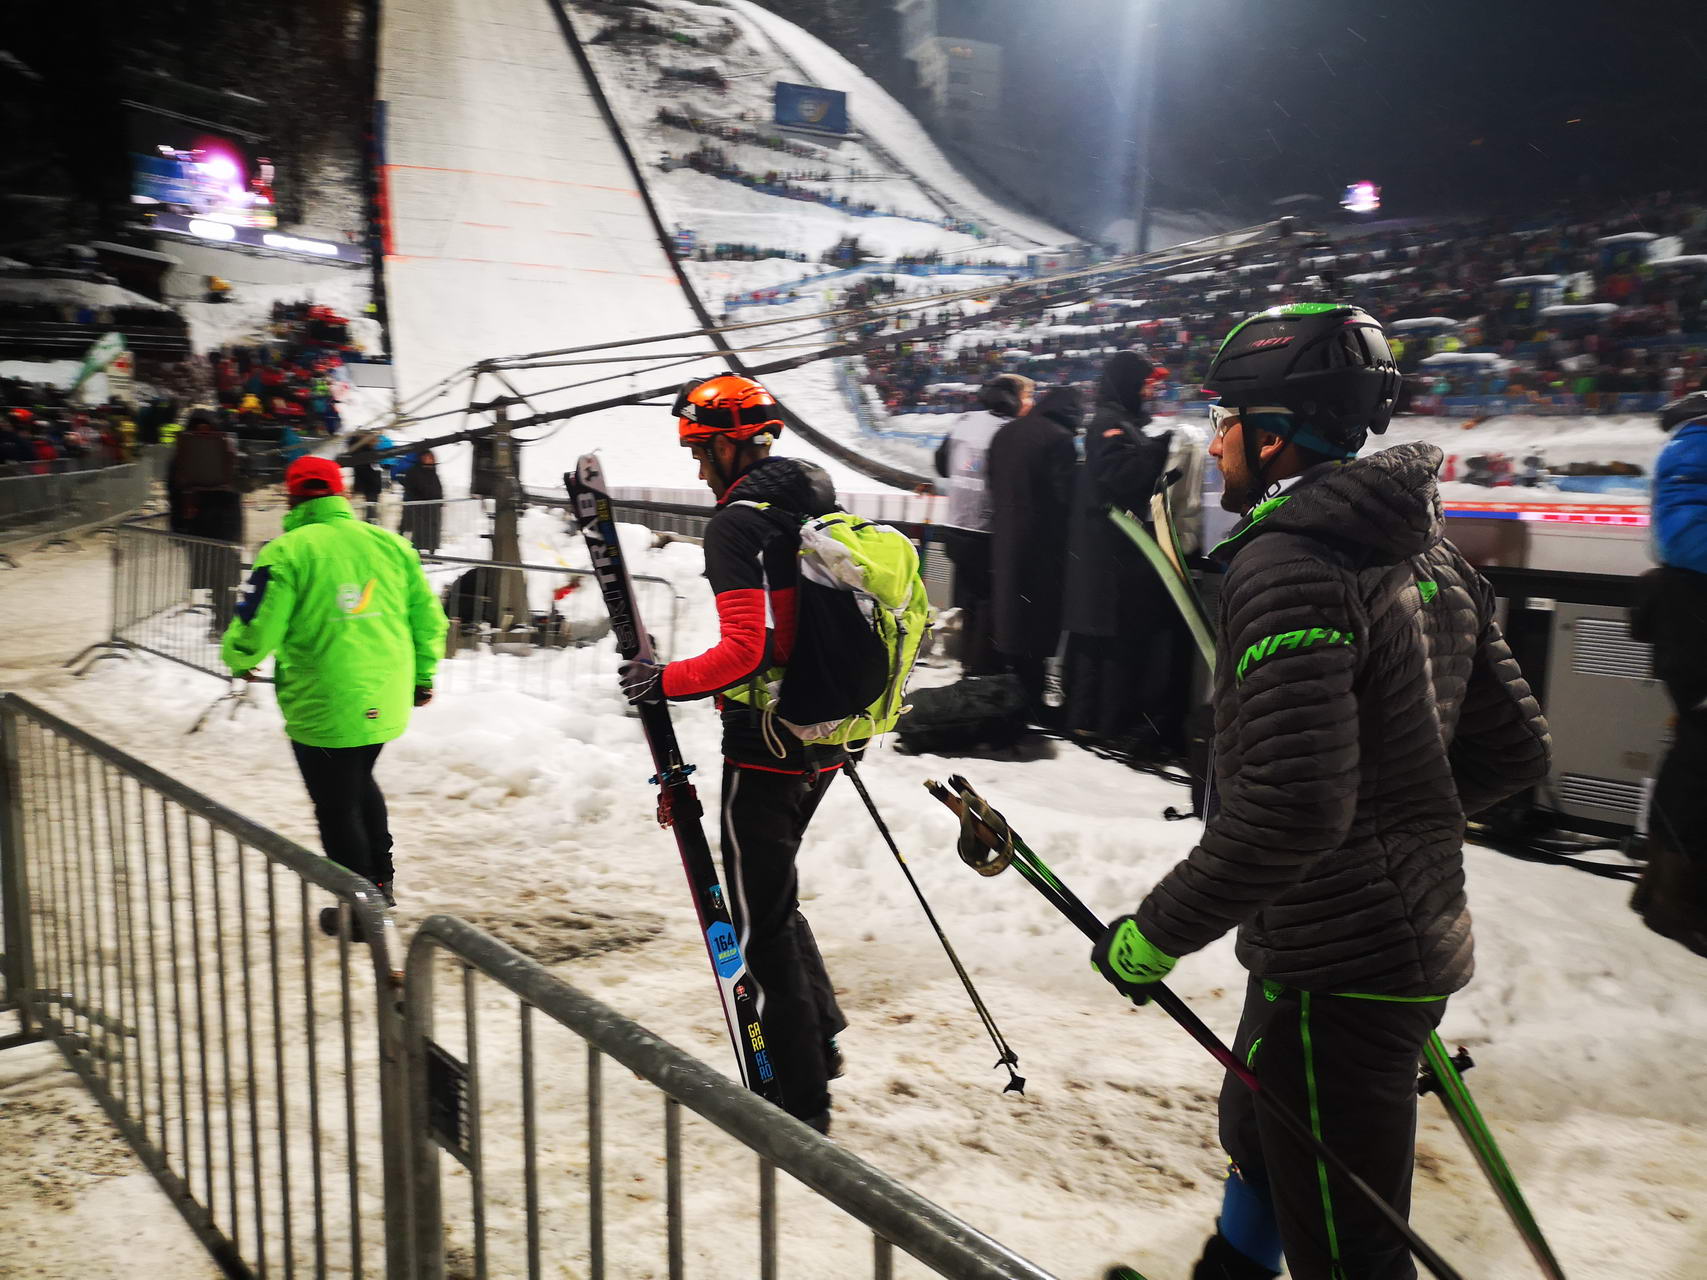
(772, 782)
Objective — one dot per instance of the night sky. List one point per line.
(1453, 106)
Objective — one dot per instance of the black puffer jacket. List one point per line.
(1365, 701)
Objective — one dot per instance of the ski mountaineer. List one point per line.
(1365, 702)
(358, 633)
(772, 782)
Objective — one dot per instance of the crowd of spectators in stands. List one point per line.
(42, 431)
(1578, 315)
(744, 253)
(739, 134)
(714, 162)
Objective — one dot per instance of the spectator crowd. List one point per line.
(1576, 314)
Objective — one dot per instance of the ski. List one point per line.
(989, 846)
(679, 808)
(1442, 1075)
(1177, 582)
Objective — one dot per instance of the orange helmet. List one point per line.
(727, 405)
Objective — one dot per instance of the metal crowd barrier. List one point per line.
(520, 627)
(688, 519)
(462, 523)
(555, 1162)
(172, 597)
(54, 506)
(534, 628)
(169, 948)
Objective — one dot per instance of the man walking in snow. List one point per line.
(772, 782)
(358, 633)
(1365, 702)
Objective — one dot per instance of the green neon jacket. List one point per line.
(352, 619)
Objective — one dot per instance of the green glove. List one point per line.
(1129, 960)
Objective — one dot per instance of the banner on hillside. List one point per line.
(102, 352)
(803, 106)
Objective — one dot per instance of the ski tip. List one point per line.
(1122, 1273)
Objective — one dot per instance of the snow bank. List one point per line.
(517, 811)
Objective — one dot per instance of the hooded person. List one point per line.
(962, 459)
(1117, 611)
(1032, 461)
(423, 503)
(1365, 703)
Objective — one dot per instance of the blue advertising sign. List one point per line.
(803, 106)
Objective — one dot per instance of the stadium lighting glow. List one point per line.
(1362, 197)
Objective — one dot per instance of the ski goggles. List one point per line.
(1223, 418)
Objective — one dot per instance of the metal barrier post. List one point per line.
(185, 961)
(19, 974)
(446, 1105)
(425, 1201)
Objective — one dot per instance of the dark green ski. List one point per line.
(1442, 1074)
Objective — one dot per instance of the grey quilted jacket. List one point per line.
(1365, 701)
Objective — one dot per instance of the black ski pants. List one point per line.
(974, 589)
(348, 807)
(1348, 1068)
(765, 814)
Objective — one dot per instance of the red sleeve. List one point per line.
(734, 549)
(782, 625)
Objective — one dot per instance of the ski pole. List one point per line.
(1008, 1058)
(983, 827)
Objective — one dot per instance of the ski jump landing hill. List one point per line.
(520, 223)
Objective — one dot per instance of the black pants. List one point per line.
(1349, 1067)
(974, 587)
(348, 807)
(764, 817)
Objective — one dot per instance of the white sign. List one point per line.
(212, 230)
(296, 244)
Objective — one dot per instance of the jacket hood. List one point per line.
(1388, 502)
(317, 511)
(1062, 405)
(789, 483)
(1123, 380)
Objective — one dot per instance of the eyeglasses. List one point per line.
(1223, 418)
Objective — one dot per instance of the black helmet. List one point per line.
(1688, 409)
(1327, 363)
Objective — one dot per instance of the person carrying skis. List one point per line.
(1365, 702)
(772, 782)
(358, 633)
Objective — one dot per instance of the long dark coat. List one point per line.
(1110, 587)
(423, 514)
(1031, 467)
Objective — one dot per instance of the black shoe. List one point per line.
(1221, 1261)
(329, 924)
(833, 1059)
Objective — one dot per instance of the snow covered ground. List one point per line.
(1590, 1034)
